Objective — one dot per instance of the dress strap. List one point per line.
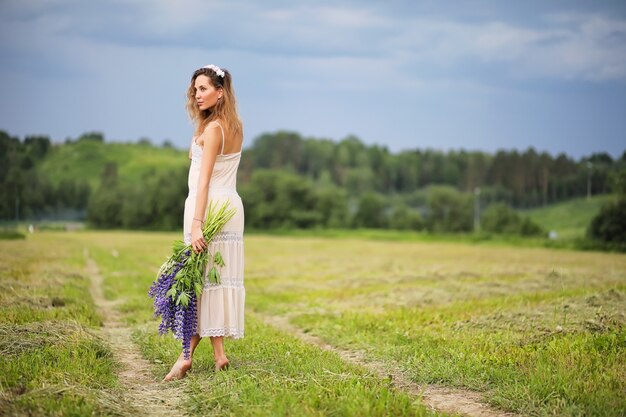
(222, 153)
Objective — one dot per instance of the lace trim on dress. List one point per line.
(234, 333)
(228, 236)
(225, 283)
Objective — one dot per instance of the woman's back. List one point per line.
(224, 175)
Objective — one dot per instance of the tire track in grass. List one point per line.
(439, 398)
(146, 395)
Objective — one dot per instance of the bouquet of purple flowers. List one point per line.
(180, 280)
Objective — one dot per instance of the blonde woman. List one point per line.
(215, 154)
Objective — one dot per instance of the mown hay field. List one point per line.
(535, 331)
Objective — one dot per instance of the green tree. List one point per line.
(449, 210)
(279, 199)
(404, 218)
(94, 136)
(371, 211)
(169, 199)
(500, 218)
(332, 205)
(618, 182)
(37, 146)
(359, 180)
(609, 225)
(104, 210)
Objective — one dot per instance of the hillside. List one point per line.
(86, 159)
(570, 218)
(291, 182)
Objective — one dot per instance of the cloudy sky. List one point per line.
(477, 75)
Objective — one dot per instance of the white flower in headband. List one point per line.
(216, 69)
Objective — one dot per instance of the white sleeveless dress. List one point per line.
(221, 306)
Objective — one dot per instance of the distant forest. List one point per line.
(289, 181)
(522, 179)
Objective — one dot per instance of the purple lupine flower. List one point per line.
(164, 306)
(181, 320)
(189, 324)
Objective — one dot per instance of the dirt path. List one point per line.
(146, 395)
(451, 400)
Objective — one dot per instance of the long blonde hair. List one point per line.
(225, 109)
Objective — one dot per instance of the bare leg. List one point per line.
(182, 365)
(221, 361)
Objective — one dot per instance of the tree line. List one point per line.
(25, 194)
(521, 179)
(287, 181)
(608, 228)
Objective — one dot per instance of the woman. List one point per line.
(215, 154)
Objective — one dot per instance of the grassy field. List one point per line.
(534, 330)
(570, 218)
(86, 160)
(53, 362)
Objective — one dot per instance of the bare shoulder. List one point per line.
(213, 124)
(210, 134)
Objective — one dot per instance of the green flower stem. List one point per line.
(190, 277)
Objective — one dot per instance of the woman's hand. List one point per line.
(197, 238)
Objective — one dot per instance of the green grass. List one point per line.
(572, 242)
(565, 374)
(11, 235)
(513, 322)
(570, 218)
(275, 374)
(272, 373)
(53, 362)
(86, 160)
(538, 331)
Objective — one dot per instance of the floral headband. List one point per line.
(216, 69)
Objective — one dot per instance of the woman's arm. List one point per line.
(211, 140)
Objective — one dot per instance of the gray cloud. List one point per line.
(345, 58)
(338, 38)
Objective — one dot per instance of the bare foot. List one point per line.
(221, 364)
(179, 370)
